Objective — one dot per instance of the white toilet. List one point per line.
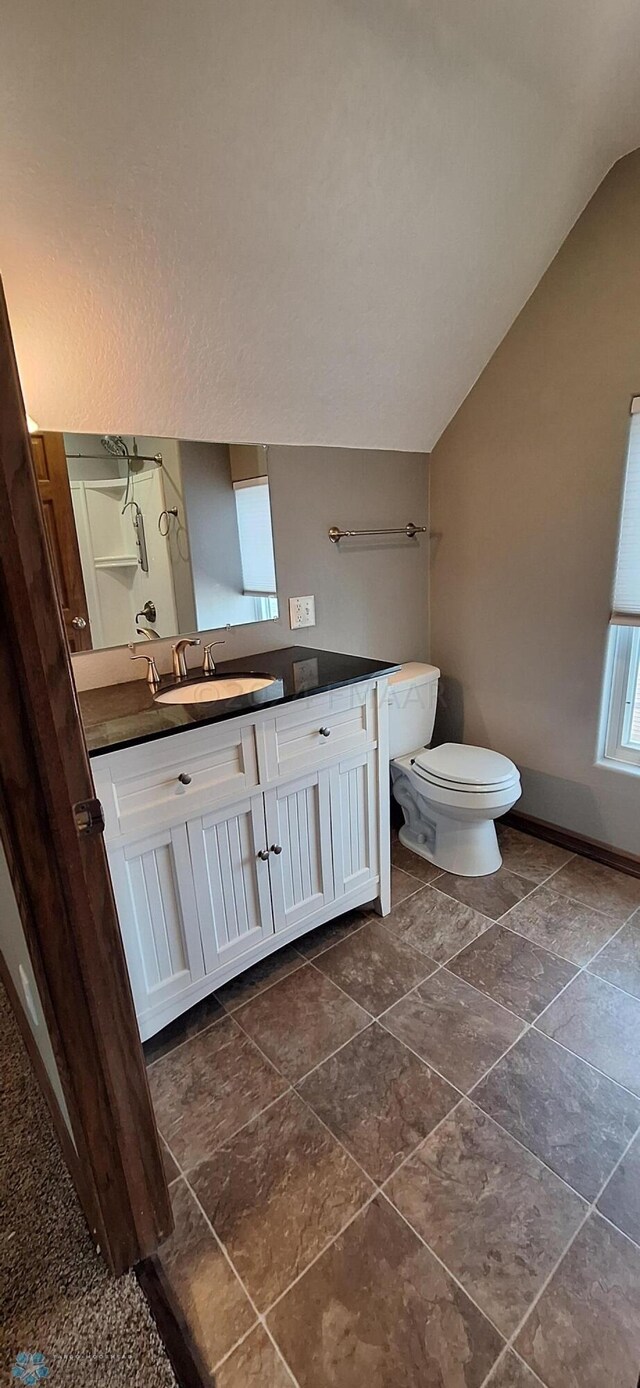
(449, 795)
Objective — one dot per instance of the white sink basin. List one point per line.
(215, 687)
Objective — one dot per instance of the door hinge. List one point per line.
(89, 817)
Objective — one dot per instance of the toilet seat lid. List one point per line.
(458, 764)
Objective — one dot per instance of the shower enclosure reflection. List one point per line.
(172, 536)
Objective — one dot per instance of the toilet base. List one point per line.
(465, 850)
(454, 830)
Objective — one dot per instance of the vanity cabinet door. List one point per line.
(299, 837)
(153, 886)
(354, 821)
(231, 880)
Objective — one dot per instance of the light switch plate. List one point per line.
(302, 612)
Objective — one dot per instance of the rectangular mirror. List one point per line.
(154, 537)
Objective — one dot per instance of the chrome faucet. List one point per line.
(179, 660)
(208, 664)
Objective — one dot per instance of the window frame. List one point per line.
(621, 680)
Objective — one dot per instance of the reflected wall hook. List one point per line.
(164, 520)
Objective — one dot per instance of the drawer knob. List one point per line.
(184, 779)
(264, 854)
(276, 848)
(325, 732)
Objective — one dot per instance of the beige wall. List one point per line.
(525, 487)
(371, 596)
(13, 947)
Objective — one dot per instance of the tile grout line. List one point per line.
(299, 1276)
(311, 958)
(427, 1063)
(231, 1011)
(527, 1026)
(375, 1015)
(607, 981)
(496, 920)
(491, 921)
(583, 969)
(370, 1179)
(292, 1088)
(151, 1064)
(523, 1146)
(405, 1160)
(565, 896)
(506, 1350)
(613, 937)
(603, 1074)
(378, 1188)
(419, 887)
(500, 920)
(231, 1136)
(607, 1219)
(468, 1095)
(445, 1269)
(260, 1319)
(590, 1211)
(456, 1106)
(293, 1083)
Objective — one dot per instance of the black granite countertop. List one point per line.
(122, 715)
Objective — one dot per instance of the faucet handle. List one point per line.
(153, 678)
(208, 663)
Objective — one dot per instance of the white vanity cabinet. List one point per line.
(228, 840)
(299, 826)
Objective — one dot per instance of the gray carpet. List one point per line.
(56, 1296)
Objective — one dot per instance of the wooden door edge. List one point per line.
(182, 1352)
(61, 880)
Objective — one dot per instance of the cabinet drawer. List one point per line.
(322, 729)
(144, 789)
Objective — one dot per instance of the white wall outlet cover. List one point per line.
(302, 612)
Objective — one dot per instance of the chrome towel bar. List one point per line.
(410, 530)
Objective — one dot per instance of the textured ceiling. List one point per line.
(299, 221)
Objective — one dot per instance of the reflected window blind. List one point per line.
(253, 509)
(626, 588)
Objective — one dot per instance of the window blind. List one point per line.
(253, 509)
(626, 587)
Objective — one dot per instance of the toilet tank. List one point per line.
(413, 693)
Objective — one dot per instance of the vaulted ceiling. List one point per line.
(299, 221)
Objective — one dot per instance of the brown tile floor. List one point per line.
(407, 1152)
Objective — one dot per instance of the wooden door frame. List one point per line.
(54, 488)
(61, 877)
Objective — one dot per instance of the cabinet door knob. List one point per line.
(264, 854)
(276, 848)
(325, 732)
(184, 779)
